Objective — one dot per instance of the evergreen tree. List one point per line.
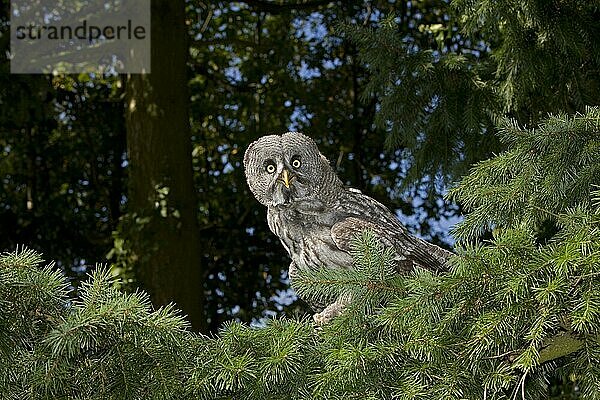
(513, 313)
(442, 93)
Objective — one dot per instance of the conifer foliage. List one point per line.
(515, 312)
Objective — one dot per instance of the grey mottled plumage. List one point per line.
(316, 216)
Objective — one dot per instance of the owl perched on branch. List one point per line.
(317, 217)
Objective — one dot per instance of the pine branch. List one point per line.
(545, 171)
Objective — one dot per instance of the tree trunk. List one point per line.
(162, 200)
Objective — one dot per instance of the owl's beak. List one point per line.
(285, 178)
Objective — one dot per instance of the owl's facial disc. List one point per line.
(288, 169)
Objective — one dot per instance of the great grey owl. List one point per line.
(317, 217)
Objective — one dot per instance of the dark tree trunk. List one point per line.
(166, 244)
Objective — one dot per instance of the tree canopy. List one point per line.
(441, 110)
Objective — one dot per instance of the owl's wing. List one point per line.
(347, 230)
(365, 213)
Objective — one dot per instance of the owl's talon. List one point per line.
(320, 319)
(330, 312)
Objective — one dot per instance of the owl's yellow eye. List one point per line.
(296, 163)
(270, 168)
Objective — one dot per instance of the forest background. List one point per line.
(70, 145)
(402, 97)
(143, 172)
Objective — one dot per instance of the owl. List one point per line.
(317, 217)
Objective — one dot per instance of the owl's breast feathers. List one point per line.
(305, 232)
(318, 234)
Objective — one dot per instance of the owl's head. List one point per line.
(283, 169)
